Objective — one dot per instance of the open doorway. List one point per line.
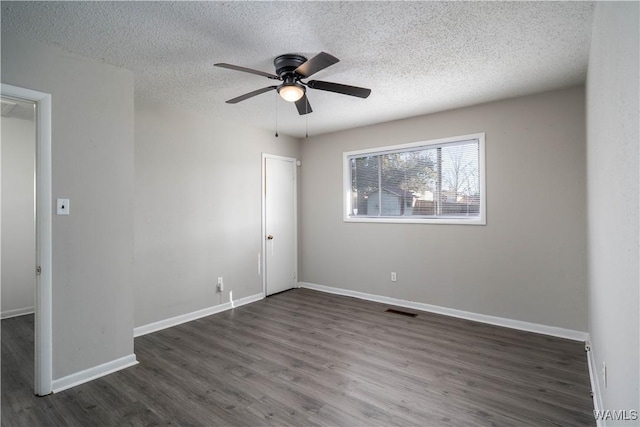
(18, 240)
(25, 253)
(18, 227)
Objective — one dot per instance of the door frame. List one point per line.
(43, 354)
(262, 267)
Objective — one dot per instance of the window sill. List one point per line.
(409, 220)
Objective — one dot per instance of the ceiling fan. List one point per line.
(290, 70)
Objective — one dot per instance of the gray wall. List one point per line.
(92, 162)
(18, 222)
(528, 263)
(612, 165)
(197, 210)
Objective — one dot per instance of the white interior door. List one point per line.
(279, 207)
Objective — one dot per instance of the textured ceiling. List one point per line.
(417, 57)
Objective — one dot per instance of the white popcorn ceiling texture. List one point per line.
(417, 57)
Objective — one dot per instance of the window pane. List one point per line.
(406, 177)
(364, 183)
(460, 193)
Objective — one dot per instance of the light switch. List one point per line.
(63, 207)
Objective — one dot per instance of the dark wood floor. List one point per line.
(306, 358)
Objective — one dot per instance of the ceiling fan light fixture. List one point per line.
(291, 92)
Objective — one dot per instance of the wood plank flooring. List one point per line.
(305, 358)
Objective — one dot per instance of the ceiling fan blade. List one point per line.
(250, 94)
(247, 70)
(360, 92)
(315, 64)
(303, 105)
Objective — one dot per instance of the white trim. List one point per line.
(346, 183)
(477, 317)
(595, 384)
(43, 354)
(401, 147)
(247, 300)
(17, 312)
(178, 320)
(294, 164)
(263, 226)
(194, 315)
(419, 220)
(93, 373)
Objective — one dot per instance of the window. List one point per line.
(440, 181)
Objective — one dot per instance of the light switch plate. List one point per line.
(63, 207)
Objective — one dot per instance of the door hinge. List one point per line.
(38, 270)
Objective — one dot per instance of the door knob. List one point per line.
(269, 237)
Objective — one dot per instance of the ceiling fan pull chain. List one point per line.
(276, 114)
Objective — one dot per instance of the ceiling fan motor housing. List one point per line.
(287, 64)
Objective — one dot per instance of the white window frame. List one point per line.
(346, 179)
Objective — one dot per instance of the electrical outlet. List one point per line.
(604, 374)
(394, 278)
(220, 284)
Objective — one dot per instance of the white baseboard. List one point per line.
(178, 320)
(93, 373)
(247, 300)
(483, 318)
(17, 312)
(188, 317)
(595, 385)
